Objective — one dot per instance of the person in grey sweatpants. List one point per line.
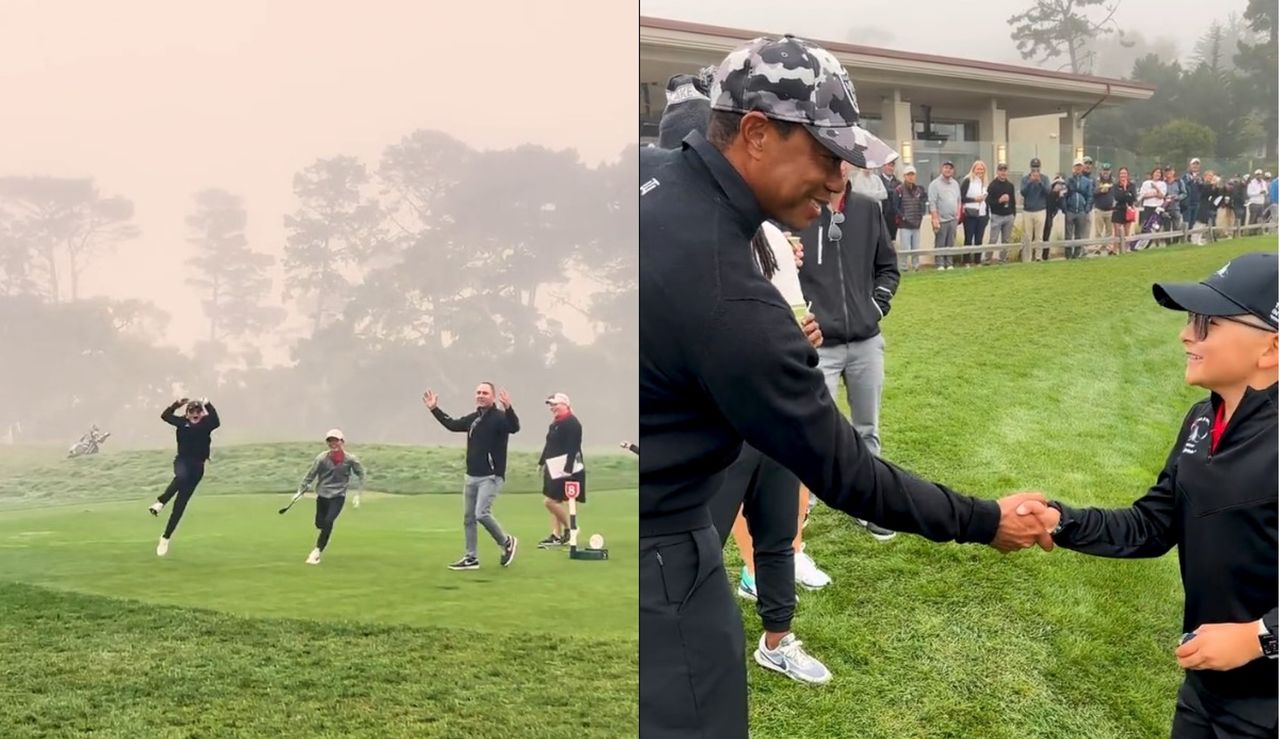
(850, 275)
(488, 430)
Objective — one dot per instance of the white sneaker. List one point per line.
(163, 547)
(807, 573)
(791, 660)
(314, 557)
(155, 508)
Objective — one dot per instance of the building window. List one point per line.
(955, 131)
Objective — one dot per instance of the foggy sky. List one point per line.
(157, 100)
(976, 30)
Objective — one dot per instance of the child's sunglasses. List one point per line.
(1200, 324)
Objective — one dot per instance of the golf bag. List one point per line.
(90, 443)
(1155, 223)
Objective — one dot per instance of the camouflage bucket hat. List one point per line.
(795, 80)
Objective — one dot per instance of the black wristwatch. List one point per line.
(1268, 640)
(1062, 517)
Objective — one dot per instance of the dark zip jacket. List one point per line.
(1219, 509)
(851, 281)
(723, 360)
(913, 204)
(193, 440)
(891, 205)
(487, 435)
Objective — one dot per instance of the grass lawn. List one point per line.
(1062, 377)
(232, 634)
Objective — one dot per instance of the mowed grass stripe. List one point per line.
(83, 665)
(40, 476)
(385, 562)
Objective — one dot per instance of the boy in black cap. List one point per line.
(1215, 500)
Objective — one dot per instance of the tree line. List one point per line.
(424, 268)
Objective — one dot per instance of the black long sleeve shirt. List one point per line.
(1219, 508)
(488, 432)
(723, 361)
(195, 439)
(997, 188)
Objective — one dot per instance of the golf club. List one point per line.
(292, 500)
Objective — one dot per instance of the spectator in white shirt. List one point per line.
(1151, 195)
(973, 193)
(1256, 195)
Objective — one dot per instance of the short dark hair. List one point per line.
(492, 388)
(724, 125)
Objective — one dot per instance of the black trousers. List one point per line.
(1201, 716)
(327, 510)
(187, 474)
(693, 678)
(770, 498)
(975, 227)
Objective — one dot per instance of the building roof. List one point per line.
(888, 66)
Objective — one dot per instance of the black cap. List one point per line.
(1035, 163)
(1247, 284)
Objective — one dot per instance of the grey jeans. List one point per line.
(943, 237)
(909, 241)
(477, 502)
(1001, 233)
(1077, 227)
(861, 364)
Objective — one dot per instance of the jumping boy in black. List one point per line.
(193, 434)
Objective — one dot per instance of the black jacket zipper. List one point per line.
(844, 299)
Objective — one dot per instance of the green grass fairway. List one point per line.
(1064, 377)
(379, 640)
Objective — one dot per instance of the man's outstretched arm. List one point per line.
(761, 372)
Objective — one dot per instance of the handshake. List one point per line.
(1025, 519)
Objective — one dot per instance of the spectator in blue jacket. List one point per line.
(1078, 204)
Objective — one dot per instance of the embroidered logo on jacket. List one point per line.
(1200, 430)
